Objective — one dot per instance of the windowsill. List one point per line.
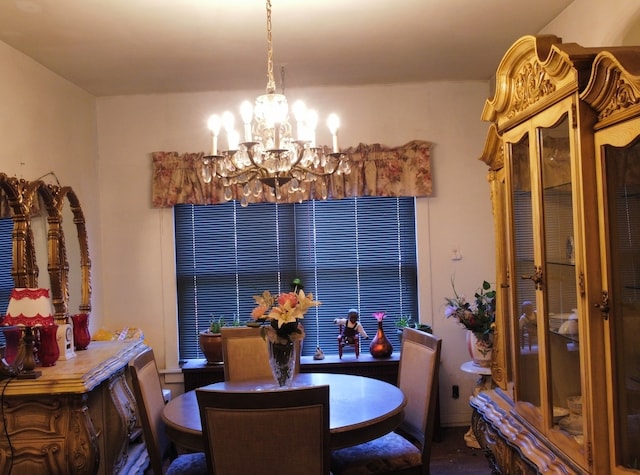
(198, 373)
(349, 358)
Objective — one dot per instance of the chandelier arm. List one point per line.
(250, 174)
(316, 173)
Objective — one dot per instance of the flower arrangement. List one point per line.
(283, 314)
(478, 316)
(379, 315)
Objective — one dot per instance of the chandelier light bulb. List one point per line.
(333, 122)
(246, 112)
(300, 112)
(228, 121)
(311, 121)
(214, 123)
(233, 138)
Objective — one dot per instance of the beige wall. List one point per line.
(49, 124)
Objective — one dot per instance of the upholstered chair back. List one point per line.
(245, 354)
(272, 432)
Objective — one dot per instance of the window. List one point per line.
(351, 253)
(6, 262)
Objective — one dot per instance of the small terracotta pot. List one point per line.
(211, 346)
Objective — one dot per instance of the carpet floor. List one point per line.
(450, 455)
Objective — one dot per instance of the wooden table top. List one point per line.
(360, 408)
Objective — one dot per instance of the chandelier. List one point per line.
(270, 153)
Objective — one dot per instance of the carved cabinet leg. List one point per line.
(38, 438)
(83, 454)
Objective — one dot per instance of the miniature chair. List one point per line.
(148, 393)
(266, 432)
(408, 449)
(346, 341)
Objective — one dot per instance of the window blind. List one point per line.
(351, 253)
(6, 262)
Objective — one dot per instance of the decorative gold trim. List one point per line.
(535, 72)
(493, 152)
(26, 199)
(613, 90)
(530, 85)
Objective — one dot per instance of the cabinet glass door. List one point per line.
(560, 290)
(622, 168)
(528, 388)
(545, 291)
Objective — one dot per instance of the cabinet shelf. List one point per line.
(565, 263)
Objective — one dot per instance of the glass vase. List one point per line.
(282, 359)
(13, 337)
(380, 345)
(81, 334)
(48, 349)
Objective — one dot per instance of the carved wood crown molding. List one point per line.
(536, 72)
(493, 153)
(624, 96)
(530, 85)
(613, 90)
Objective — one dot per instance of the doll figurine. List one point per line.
(528, 325)
(351, 330)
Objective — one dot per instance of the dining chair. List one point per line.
(408, 449)
(245, 354)
(147, 390)
(274, 432)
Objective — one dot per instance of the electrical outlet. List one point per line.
(455, 391)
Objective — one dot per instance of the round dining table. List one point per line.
(360, 408)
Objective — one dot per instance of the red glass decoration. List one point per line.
(48, 350)
(380, 346)
(12, 336)
(81, 334)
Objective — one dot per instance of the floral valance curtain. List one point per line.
(376, 170)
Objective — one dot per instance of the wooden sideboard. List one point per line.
(198, 373)
(78, 417)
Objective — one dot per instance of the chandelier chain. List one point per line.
(271, 84)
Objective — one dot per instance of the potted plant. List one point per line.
(407, 321)
(478, 317)
(210, 341)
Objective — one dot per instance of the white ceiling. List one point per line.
(113, 47)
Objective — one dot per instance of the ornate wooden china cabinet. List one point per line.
(564, 155)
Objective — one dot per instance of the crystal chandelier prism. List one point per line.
(270, 154)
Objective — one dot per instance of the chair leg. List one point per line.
(357, 346)
(340, 350)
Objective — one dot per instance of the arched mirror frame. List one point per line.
(24, 268)
(26, 199)
(62, 196)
